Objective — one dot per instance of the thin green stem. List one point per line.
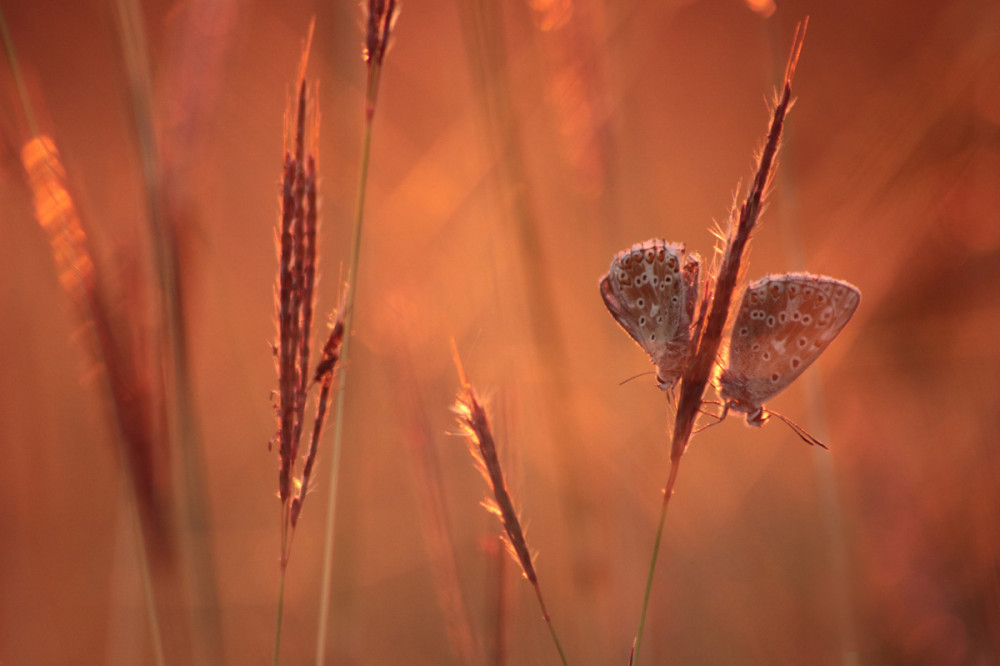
(548, 623)
(374, 72)
(281, 608)
(667, 492)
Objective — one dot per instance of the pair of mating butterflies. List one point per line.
(783, 324)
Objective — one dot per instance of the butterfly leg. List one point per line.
(721, 417)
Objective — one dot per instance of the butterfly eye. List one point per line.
(766, 356)
(795, 362)
(820, 298)
(642, 321)
(803, 342)
(782, 317)
(770, 321)
(775, 378)
(796, 316)
(653, 280)
(746, 331)
(640, 302)
(806, 319)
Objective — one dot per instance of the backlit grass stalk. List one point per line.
(165, 232)
(710, 330)
(380, 19)
(476, 428)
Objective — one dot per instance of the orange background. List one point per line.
(625, 121)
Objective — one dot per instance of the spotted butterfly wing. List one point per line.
(784, 323)
(651, 290)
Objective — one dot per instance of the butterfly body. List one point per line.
(651, 290)
(783, 324)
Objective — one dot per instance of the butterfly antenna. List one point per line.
(626, 381)
(798, 430)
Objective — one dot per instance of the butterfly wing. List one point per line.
(651, 290)
(783, 324)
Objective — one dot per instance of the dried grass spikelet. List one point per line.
(380, 18)
(476, 428)
(326, 370)
(296, 281)
(295, 295)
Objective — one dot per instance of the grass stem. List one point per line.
(548, 623)
(374, 73)
(667, 493)
(280, 612)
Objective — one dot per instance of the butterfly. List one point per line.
(651, 290)
(783, 324)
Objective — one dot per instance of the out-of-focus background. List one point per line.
(517, 147)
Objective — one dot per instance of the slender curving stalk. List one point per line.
(380, 19)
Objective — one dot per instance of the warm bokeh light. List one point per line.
(517, 148)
